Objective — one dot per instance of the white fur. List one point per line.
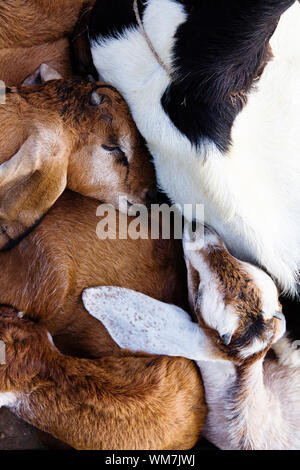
(288, 353)
(7, 399)
(214, 310)
(269, 293)
(251, 196)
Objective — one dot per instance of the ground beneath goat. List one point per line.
(15, 434)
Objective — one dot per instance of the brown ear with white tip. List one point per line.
(30, 183)
(43, 74)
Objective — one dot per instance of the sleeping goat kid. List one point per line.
(66, 133)
(222, 122)
(253, 401)
(119, 402)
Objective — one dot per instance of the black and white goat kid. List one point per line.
(223, 125)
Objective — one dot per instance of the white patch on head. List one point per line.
(140, 323)
(268, 289)
(215, 313)
(7, 399)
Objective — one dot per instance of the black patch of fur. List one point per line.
(291, 311)
(109, 18)
(81, 55)
(218, 53)
(254, 329)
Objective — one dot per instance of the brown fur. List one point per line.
(18, 63)
(133, 401)
(154, 403)
(53, 136)
(34, 31)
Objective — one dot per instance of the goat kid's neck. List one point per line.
(242, 408)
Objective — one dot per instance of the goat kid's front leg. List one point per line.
(24, 346)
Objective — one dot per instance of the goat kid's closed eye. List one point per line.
(122, 159)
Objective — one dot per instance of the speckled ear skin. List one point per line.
(140, 323)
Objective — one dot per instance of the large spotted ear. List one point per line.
(139, 323)
(30, 183)
(42, 74)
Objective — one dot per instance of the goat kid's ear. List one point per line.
(139, 323)
(43, 74)
(30, 183)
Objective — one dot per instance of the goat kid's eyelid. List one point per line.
(111, 149)
(123, 160)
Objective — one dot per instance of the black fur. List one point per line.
(291, 311)
(218, 53)
(111, 17)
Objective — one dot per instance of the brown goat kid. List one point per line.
(134, 401)
(71, 133)
(152, 403)
(45, 274)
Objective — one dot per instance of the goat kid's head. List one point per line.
(235, 303)
(67, 133)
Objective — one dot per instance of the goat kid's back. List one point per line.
(46, 273)
(33, 32)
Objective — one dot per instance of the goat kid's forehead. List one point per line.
(76, 98)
